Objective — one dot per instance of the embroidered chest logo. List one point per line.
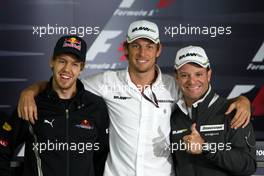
(217, 127)
(179, 131)
(121, 97)
(49, 122)
(85, 124)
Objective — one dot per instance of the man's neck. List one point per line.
(190, 102)
(65, 93)
(142, 80)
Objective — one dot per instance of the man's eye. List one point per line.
(199, 74)
(150, 47)
(61, 61)
(183, 76)
(134, 46)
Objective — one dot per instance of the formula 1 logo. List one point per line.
(164, 3)
(101, 44)
(160, 4)
(258, 58)
(126, 4)
(240, 89)
(257, 102)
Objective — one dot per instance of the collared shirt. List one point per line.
(139, 131)
(188, 110)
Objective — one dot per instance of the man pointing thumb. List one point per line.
(194, 141)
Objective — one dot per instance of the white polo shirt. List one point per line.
(139, 131)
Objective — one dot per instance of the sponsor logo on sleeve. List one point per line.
(7, 127)
(179, 131)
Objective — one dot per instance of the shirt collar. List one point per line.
(155, 83)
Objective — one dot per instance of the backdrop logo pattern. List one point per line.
(258, 58)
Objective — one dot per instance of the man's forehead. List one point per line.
(192, 65)
(68, 56)
(144, 40)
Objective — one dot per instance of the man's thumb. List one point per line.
(193, 129)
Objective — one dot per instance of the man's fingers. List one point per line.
(247, 121)
(237, 125)
(186, 138)
(35, 113)
(241, 118)
(230, 108)
(31, 120)
(19, 113)
(30, 113)
(25, 112)
(238, 120)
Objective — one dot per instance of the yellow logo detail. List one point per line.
(7, 127)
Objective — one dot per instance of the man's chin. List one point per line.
(65, 86)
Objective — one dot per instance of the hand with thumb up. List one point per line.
(193, 141)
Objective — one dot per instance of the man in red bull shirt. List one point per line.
(70, 136)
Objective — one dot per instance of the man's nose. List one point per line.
(192, 79)
(142, 51)
(67, 67)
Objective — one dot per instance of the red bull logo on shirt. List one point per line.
(85, 124)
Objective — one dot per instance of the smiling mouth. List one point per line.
(193, 88)
(142, 61)
(65, 77)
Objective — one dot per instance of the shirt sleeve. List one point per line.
(95, 83)
(102, 123)
(13, 132)
(239, 157)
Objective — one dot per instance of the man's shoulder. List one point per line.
(90, 97)
(168, 79)
(169, 82)
(104, 74)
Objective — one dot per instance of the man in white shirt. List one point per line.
(140, 100)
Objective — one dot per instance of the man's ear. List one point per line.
(82, 66)
(209, 75)
(51, 63)
(125, 46)
(176, 76)
(159, 50)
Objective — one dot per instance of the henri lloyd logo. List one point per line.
(126, 4)
(218, 127)
(259, 58)
(189, 54)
